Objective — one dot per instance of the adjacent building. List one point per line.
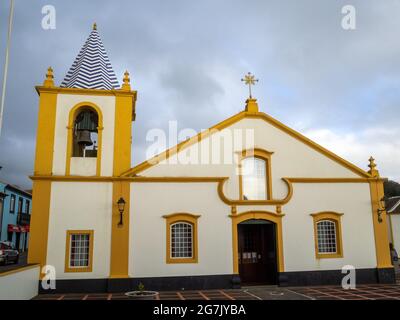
(393, 212)
(15, 215)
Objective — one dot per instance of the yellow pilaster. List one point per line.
(124, 115)
(120, 233)
(39, 225)
(380, 228)
(383, 258)
(43, 166)
(45, 132)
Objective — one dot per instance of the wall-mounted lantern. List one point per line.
(121, 207)
(382, 204)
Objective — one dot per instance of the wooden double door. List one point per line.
(257, 252)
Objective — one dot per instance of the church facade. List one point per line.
(284, 211)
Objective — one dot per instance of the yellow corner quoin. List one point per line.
(182, 217)
(124, 110)
(274, 217)
(334, 217)
(71, 120)
(39, 227)
(119, 267)
(228, 122)
(380, 229)
(68, 267)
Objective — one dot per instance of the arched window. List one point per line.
(85, 133)
(181, 238)
(255, 175)
(254, 179)
(327, 229)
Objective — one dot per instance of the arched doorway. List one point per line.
(257, 247)
(257, 252)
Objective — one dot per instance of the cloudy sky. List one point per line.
(338, 87)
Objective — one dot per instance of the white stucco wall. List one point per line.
(83, 166)
(291, 158)
(351, 199)
(150, 201)
(20, 284)
(80, 206)
(65, 102)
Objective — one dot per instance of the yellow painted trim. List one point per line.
(39, 227)
(261, 154)
(124, 106)
(45, 134)
(68, 267)
(131, 179)
(328, 180)
(72, 116)
(181, 217)
(383, 257)
(335, 218)
(258, 215)
(255, 202)
(237, 117)
(19, 269)
(79, 91)
(119, 267)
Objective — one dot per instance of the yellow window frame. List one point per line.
(260, 154)
(68, 267)
(185, 218)
(334, 217)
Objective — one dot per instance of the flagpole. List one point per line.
(3, 94)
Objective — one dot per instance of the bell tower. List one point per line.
(84, 131)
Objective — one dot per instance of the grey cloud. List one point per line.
(186, 59)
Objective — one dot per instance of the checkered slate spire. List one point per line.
(92, 68)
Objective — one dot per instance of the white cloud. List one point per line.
(381, 143)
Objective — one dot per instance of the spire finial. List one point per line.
(95, 26)
(372, 165)
(49, 81)
(126, 81)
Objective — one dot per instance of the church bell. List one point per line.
(86, 123)
(83, 138)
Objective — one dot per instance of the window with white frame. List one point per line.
(254, 179)
(79, 250)
(181, 240)
(326, 236)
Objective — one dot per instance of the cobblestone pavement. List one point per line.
(362, 292)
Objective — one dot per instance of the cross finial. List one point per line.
(250, 81)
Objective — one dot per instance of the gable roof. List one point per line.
(230, 121)
(92, 68)
(393, 205)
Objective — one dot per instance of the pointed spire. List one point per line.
(49, 81)
(92, 68)
(127, 82)
(372, 165)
